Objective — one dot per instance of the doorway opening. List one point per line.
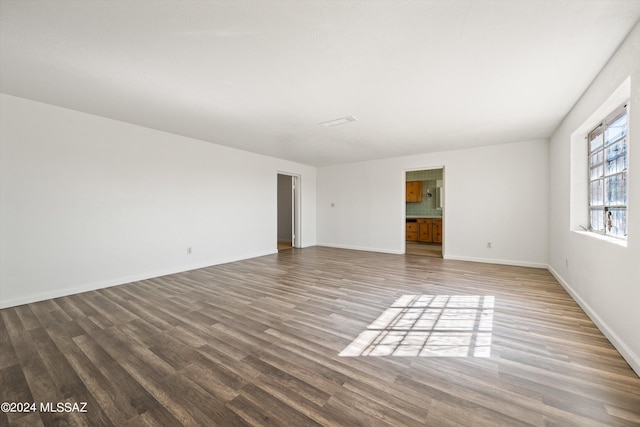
(288, 211)
(424, 212)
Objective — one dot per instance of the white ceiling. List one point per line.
(420, 76)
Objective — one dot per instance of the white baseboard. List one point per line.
(632, 358)
(360, 248)
(496, 261)
(57, 293)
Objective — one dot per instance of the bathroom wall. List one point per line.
(429, 205)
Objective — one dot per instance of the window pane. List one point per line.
(617, 157)
(608, 177)
(617, 127)
(617, 222)
(596, 194)
(595, 140)
(595, 165)
(597, 219)
(616, 189)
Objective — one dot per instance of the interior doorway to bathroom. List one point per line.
(424, 212)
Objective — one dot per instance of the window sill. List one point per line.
(591, 234)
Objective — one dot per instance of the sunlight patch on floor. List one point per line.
(429, 326)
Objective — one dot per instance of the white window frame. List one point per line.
(606, 226)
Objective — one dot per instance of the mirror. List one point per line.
(439, 195)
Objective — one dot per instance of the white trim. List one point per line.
(296, 182)
(631, 358)
(361, 248)
(497, 261)
(403, 235)
(120, 281)
(605, 238)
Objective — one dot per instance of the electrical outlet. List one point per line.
(489, 245)
(189, 250)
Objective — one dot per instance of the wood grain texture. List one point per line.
(424, 249)
(256, 342)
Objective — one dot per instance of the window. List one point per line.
(608, 163)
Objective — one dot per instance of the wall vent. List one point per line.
(340, 121)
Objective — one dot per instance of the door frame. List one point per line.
(404, 205)
(296, 207)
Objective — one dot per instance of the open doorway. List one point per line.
(288, 211)
(424, 212)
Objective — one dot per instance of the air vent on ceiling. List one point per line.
(340, 121)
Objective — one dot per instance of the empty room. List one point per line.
(335, 213)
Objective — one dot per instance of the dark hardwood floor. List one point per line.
(258, 342)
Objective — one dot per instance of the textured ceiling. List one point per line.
(420, 76)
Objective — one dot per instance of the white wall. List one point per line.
(603, 276)
(87, 202)
(496, 194)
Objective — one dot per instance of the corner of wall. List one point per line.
(627, 353)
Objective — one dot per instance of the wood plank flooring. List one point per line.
(424, 249)
(257, 342)
(284, 245)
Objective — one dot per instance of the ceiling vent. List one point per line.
(340, 121)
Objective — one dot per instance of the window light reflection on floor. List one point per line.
(429, 326)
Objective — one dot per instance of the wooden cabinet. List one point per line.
(437, 230)
(427, 230)
(424, 230)
(412, 231)
(414, 191)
